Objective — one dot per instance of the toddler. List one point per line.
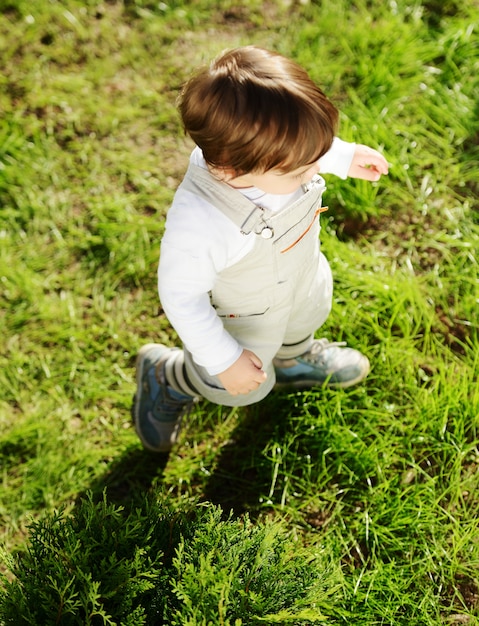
(241, 276)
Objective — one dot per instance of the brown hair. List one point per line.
(253, 110)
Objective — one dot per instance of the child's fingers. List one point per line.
(369, 172)
(259, 375)
(378, 163)
(368, 164)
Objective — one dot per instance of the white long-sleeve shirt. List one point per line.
(199, 242)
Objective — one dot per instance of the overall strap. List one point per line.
(243, 212)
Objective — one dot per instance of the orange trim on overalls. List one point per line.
(317, 212)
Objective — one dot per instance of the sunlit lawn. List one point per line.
(91, 151)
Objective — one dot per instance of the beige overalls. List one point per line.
(273, 299)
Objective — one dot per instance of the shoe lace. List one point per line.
(314, 354)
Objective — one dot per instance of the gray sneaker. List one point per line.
(157, 408)
(325, 363)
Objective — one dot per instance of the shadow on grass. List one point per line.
(241, 477)
(129, 478)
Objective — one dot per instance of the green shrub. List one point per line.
(154, 565)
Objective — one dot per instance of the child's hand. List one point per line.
(367, 164)
(244, 375)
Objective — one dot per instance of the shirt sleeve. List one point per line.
(186, 273)
(338, 159)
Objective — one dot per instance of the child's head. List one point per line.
(253, 110)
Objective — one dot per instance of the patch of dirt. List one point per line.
(405, 236)
(469, 592)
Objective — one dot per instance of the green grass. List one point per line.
(385, 476)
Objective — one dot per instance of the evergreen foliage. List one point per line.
(154, 565)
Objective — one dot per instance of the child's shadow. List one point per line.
(242, 476)
(129, 478)
(240, 480)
